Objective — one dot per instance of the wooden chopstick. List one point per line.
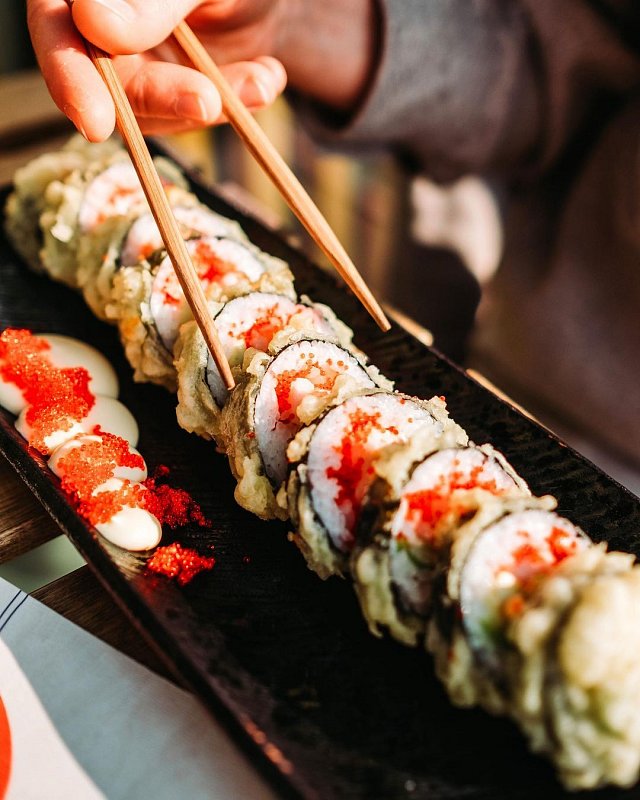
(161, 210)
(274, 165)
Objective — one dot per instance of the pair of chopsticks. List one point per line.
(269, 159)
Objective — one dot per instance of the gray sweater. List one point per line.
(543, 96)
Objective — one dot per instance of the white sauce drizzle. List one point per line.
(111, 415)
(131, 528)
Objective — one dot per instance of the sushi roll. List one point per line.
(84, 199)
(332, 468)
(27, 200)
(574, 673)
(149, 305)
(127, 241)
(425, 489)
(497, 559)
(253, 321)
(276, 396)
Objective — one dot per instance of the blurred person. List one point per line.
(542, 98)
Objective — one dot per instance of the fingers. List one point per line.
(257, 82)
(157, 89)
(164, 96)
(129, 26)
(71, 78)
(170, 97)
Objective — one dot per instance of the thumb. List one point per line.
(129, 26)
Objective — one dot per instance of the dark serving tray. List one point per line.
(283, 658)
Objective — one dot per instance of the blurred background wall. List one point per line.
(15, 48)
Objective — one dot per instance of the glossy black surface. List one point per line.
(283, 658)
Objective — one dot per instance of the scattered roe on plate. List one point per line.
(56, 396)
(180, 563)
(171, 506)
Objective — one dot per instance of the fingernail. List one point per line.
(255, 92)
(74, 115)
(119, 8)
(191, 106)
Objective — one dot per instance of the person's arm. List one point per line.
(494, 86)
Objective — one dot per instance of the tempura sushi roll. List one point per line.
(84, 199)
(332, 468)
(574, 672)
(277, 396)
(497, 559)
(127, 241)
(27, 201)
(417, 504)
(149, 304)
(250, 321)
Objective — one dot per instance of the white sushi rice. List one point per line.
(150, 310)
(143, 237)
(310, 370)
(382, 603)
(363, 426)
(272, 400)
(27, 201)
(504, 559)
(466, 679)
(201, 393)
(219, 263)
(115, 192)
(442, 480)
(126, 241)
(251, 321)
(79, 204)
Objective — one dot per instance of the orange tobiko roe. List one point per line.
(427, 508)
(118, 193)
(321, 376)
(271, 320)
(528, 560)
(354, 472)
(88, 466)
(181, 563)
(530, 566)
(85, 467)
(264, 328)
(209, 266)
(56, 396)
(102, 507)
(171, 506)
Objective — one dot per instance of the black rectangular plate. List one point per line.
(284, 659)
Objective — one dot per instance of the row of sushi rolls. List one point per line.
(446, 546)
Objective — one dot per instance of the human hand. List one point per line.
(328, 48)
(166, 95)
